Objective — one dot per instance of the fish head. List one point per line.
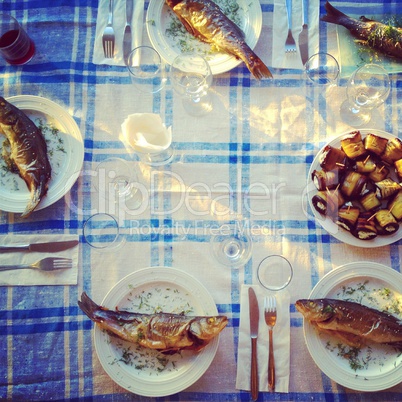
(315, 309)
(206, 328)
(6, 115)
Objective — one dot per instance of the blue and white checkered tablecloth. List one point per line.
(249, 157)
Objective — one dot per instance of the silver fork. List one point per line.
(270, 320)
(290, 44)
(108, 34)
(46, 264)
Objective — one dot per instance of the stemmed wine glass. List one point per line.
(367, 88)
(117, 182)
(191, 77)
(231, 245)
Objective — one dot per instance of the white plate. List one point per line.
(330, 226)
(174, 291)
(385, 368)
(160, 17)
(65, 150)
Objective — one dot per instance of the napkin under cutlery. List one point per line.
(119, 22)
(281, 342)
(32, 277)
(280, 29)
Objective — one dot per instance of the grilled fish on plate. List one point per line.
(165, 332)
(28, 152)
(204, 20)
(351, 322)
(382, 37)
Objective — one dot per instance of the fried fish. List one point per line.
(204, 20)
(353, 323)
(28, 152)
(165, 332)
(382, 37)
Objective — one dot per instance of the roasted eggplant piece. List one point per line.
(325, 180)
(395, 206)
(386, 221)
(375, 144)
(393, 151)
(333, 158)
(365, 227)
(398, 168)
(353, 184)
(347, 217)
(328, 202)
(369, 201)
(379, 173)
(367, 165)
(386, 188)
(353, 145)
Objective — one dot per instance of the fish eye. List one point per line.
(211, 320)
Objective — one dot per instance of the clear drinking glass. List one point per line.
(101, 231)
(16, 46)
(367, 88)
(147, 69)
(322, 69)
(117, 182)
(275, 272)
(191, 78)
(231, 245)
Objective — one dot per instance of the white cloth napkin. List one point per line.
(119, 22)
(280, 31)
(30, 277)
(145, 132)
(281, 338)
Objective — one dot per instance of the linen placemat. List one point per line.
(281, 339)
(32, 277)
(280, 59)
(119, 22)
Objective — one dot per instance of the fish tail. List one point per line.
(258, 68)
(37, 193)
(88, 306)
(102, 314)
(255, 65)
(335, 16)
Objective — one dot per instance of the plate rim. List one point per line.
(341, 234)
(208, 353)
(39, 104)
(321, 290)
(154, 13)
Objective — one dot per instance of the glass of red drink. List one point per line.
(16, 46)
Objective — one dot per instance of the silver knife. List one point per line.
(303, 37)
(127, 31)
(254, 319)
(51, 247)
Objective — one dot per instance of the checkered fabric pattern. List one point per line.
(248, 158)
